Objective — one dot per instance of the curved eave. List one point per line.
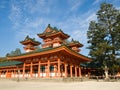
(65, 36)
(41, 35)
(75, 44)
(82, 57)
(29, 41)
(54, 50)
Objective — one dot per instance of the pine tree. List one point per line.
(103, 37)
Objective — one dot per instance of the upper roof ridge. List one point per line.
(52, 31)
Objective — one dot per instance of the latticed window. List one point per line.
(42, 68)
(51, 68)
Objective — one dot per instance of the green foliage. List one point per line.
(13, 53)
(104, 36)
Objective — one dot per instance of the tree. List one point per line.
(117, 44)
(13, 53)
(103, 36)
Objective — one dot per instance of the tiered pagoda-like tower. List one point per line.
(30, 44)
(52, 37)
(57, 58)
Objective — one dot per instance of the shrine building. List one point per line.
(56, 58)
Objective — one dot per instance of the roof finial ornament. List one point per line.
(72, 40)
(48, 25)
(27, 37)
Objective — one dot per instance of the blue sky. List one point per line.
(19, 18)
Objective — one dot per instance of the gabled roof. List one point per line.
(75, 43)
(50, 31)
(50, 50)
(28, 40)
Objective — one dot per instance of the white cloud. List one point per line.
(37, 6)
(81, 23)
(31, 28)
(80, 28)
(25, 10)
(74, 4)
(15, 15)
(96, 2)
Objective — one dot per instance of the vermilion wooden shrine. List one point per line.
(56, 58)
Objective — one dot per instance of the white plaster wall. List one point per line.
(3, 76)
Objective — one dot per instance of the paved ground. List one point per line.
(36, 85)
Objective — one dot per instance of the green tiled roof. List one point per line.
(53, 31)
(35, 51)
(75, 42)
(10, 63)
(47, 49)
(39, 50)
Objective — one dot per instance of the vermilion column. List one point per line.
(65, 65)
(39, 69)
(71, 72)
(7, 73)
(75, 71)
(31, 69)
(79, 72)
(58, 67)
(0, 74)
(55, 70)
(48, 68)
(14, 72)
(23, 70)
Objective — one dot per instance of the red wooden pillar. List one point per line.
(48, 68)
(7, 73)
(39, 69)
(79, 72)
(65, 65)
(45, 71)
(23, 70)
(0, 74)
(31, 69)
(55, 70)
(71, 72)
(14, 72)
(75, 71)
(58, 67)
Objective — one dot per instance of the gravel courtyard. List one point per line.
(33, 85)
